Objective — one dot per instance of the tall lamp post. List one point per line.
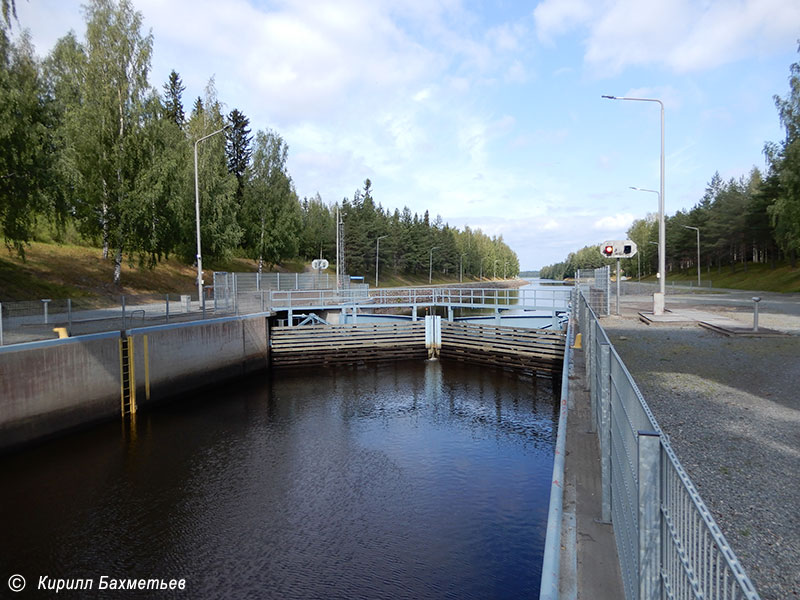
(494, 273)
(697, 229)
(461, 270)
(658, 300)
(662, 277)
(200, 297)
(430, 266)
(377, 251)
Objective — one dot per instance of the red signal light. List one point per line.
(608, 250)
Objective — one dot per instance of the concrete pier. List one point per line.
(53, 386)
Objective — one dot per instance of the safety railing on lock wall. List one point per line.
(596, 286)
(668, 543)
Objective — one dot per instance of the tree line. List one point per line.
(87, 144)
(408, 243)
(752, 219)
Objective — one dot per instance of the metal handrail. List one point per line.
(485, 297)
(707, 569)
(551, 563)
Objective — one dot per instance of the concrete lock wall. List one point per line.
(49, 387)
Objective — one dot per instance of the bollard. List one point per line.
(45, 301)
(756, 300)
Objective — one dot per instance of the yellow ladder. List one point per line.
(127, 375)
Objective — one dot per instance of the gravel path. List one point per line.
(731, 409)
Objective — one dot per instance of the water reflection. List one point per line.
(422, 480)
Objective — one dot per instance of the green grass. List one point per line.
(72, 271)
(763, 277)
(52, 270)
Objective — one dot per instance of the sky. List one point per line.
(486, 113)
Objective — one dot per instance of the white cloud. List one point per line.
(555, 17)
(683, 35)
(615, 223)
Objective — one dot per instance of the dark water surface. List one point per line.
(410, 480)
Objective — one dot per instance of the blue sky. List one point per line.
(488, 114)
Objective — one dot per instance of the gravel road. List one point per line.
(731, 409)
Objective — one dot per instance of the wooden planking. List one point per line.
(539, 342)
(537, 350)
(349, 343)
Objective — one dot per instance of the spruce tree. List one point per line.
(238, 150)
(173, 103)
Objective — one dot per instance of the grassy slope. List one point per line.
(68, 271)
(758, 277)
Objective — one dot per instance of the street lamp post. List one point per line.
(377, 250)
(697, 229)
(505, 267)
(200, 297)
(461, 270)
(662, 277)
(430, 266)
(658, 300)
(494, 273)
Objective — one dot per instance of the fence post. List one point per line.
(589, 349)
(649, 515)
(1, 323)
(69, 316)
(166, 306)
(297, 281)
(235, 295)
(123, 312)
(604, 430)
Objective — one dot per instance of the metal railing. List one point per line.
(551, 562)
(233, 295)
(27, 321)
(531, 299)
(249, 282)
(241, 293)
(668, 543)
(596, 285)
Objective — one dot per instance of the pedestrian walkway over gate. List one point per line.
(537, 299)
